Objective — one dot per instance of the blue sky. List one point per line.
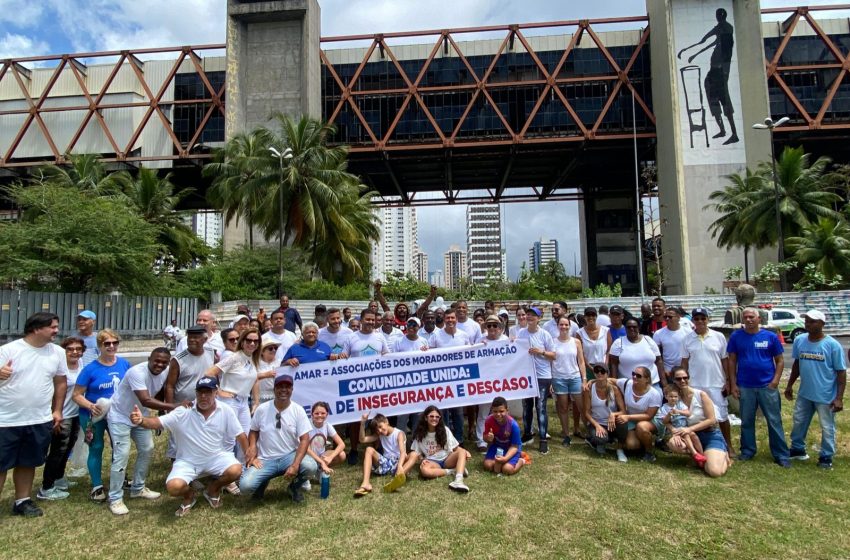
(37, 27)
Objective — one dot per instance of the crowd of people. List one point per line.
(630, 384)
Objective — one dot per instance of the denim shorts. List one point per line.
(712, 438)
(567, 386)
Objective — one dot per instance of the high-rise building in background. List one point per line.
(454, 264)
(542, 252)
(438, 279)
(209, 227)
(420, 266)
(484, 241)
(398, 244)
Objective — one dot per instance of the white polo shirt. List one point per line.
(670, 343)
(198, 438)
(26, 398)
(137, 378)
(704, 354)
(276, 442)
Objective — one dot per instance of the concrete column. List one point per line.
(273, 65)
(700, 50)
(609, 254)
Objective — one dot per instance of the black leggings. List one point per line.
(619, 434)
(61, 445)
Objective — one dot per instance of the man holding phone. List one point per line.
(819, 363)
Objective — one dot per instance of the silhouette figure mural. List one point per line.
(716, 83)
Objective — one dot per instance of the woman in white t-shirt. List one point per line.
(268, 362)
(641, 401)
(521, 323)
(568, 378)
(441, 455)
(635, 350)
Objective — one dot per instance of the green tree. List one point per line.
(85, 172)
(729, 202)
(69, 242)
(155, 200)
(825, 244)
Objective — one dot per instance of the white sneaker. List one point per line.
(64, 484)
(118, 508)
(145, 493)
(459, 486)
(306, 486)
(621, 456)
(53, 494)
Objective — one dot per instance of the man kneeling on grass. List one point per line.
(200, 434)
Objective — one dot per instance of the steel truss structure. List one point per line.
(515, 162)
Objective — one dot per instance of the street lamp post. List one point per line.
(769, 125)
(285, 155)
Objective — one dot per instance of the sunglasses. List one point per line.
(75, 349)
(112, 343)
(252, 340)
(600, 372)
(433, 417)
(636, 375)
(670, 316)
(493, 325)
(277, 421)
(681, 378)
(233, 339)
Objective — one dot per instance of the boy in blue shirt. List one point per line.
(501, 432)
(819, 363)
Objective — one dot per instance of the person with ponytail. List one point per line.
(602, 401)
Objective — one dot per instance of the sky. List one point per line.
(29, 28)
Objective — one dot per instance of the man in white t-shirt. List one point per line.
(201, 433)
(335, 334)
(603, 320)
(704, 356)
(448, 337)
(542, 350)
(388, 329)
(139, 387)
(670, 339)
(172, 334)
(277, 444)
(467, 325)
(33, 382)
(411, 341)
(279, 334)
(559, 309)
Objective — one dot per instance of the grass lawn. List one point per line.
(569, 503)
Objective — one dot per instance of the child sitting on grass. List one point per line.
(674, 416)
(501, 432)
(441, 454)
(392, 459)
(321, 434)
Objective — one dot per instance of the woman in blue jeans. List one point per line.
(703, 423)
(98, 380)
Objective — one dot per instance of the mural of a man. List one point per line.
(717, 79)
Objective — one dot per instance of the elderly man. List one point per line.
(85, 330)
(819, 364)
(755, 358)
(309, 349)
(33, 381)
(277, 444)
(201, 433)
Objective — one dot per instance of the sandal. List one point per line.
(360, 492)
(233, 489)
(184, 509)
(397, 482)
(215, 503)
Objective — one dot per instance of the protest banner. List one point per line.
(407, 382)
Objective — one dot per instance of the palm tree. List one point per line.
(803, 198)
(729, 202)
(825, 244)
(155, 200)
(86, 173)
(240, 174)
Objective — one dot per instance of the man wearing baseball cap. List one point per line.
(819, 363)
(85, 330)
(277, 444)
(704, 356)
(542, 350)
(200, 433)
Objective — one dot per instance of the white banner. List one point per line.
(408, 382)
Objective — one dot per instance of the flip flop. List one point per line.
(184, 509)
(397, 482)
(215, 503)
(360, 492)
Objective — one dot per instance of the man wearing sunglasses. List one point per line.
(277, 444)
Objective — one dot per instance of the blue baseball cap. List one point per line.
(536, 311)
(207, 382)
(700, 311)
(87, 315)
(284, 378)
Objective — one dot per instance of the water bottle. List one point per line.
(326, 486)
(500, 452)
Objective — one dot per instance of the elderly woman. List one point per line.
(268, 362)
(635, 350)
(701, 422)
(602, 402)
(93, 388)
(641, 401)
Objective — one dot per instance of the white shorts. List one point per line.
(721, 408)
(213, 466)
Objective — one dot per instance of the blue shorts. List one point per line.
(386, 464)
(441, 464)
(567, 386)
(493, 449)
(712, 438)
(24, 446)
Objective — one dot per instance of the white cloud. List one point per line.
(21, 13)
(14, 45)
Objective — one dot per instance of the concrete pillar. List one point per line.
(694, 155)
(609, 249)
(273, 65)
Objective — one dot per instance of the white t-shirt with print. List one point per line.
(137, 378)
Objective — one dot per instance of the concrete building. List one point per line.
(208, 226)
(420, 266)
(484, 241)
(542, 252)
(398, 244)
(454, 264)
(438, 279)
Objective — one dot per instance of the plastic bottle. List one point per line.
(326, 486)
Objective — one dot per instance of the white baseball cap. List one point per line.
(815, 315)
